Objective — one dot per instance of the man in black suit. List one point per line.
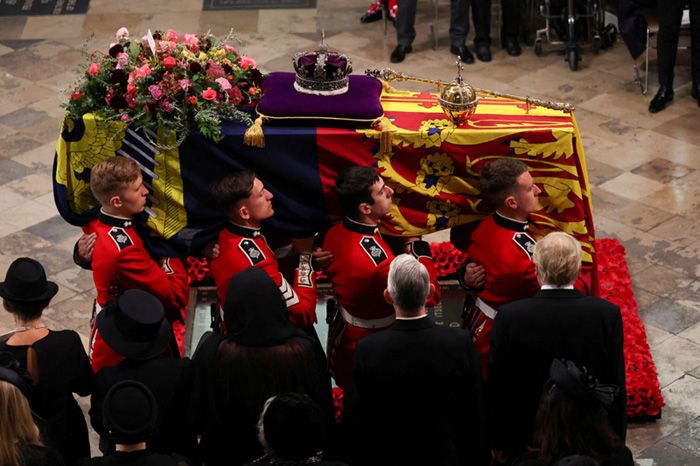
(406, 32)
(558, 322)
(419, 399)
(670, 16)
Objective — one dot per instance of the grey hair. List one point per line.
(558, 259)
(408, 283)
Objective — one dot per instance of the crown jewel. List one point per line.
(321, 72)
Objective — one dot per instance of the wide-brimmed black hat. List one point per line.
(129, 412)
(11, 371)
(134, 325)
(25, 282)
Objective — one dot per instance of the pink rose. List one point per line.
(156, 91)
(169, 62)
(171, 35)
(122, 60)
(209, 94)
(215, 70)
(167, 105)
(143, 71)
(124, 117)
(247, 62)
(185, 84)
(192, 41)
(166, 45)
(130, 89)
(223, 83)
(94, 69)
(122, 33)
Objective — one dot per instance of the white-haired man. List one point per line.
(558, 322)
(417, 378)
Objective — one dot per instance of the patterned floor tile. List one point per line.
(662, 170)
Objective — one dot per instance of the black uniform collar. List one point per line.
(361, 228)
(113, 221)
(509, 223)
(246, 232)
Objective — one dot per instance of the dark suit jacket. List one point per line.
(419, 396)
(527, 335)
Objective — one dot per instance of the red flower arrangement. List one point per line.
(168, 82)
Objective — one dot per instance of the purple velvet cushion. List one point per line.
(359, 105)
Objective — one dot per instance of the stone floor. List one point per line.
(644, 168)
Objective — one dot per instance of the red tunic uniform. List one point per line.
(120, 262)
(504, 247)
(359, 274)
(241, 247)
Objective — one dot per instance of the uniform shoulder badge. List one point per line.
(251, 251)
(373, 249)
(120, 237)
(526, 243)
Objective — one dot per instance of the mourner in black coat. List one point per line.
(135, 327)
(558, 322)
(418, 390)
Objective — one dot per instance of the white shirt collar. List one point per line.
(412, 318)
(555, 287)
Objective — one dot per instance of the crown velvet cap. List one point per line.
(322, 72)
(282, 104)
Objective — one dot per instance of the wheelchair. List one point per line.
(573, 22)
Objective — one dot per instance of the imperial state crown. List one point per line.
(321, 72)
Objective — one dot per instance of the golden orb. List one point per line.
(458, 100)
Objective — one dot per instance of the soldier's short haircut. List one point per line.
(408, 283)
(233, 188)
(499, 179)
(353, 187)
(111, 176)
(557, 257)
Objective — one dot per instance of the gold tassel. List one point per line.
(254, 135)
(386, 140)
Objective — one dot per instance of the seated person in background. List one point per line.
(572, 419)
(135, 327)
(261, 355)
(246, 204)
(502, 245)
(130, 416)
(20, 442)
(56, 360)
(558, 322)
(360, 267)
(416, 378)
(291, 430)
(120, 261)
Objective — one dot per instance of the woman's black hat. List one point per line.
(25, 282)
(134, 325)
(129, 412)
(12, 371)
